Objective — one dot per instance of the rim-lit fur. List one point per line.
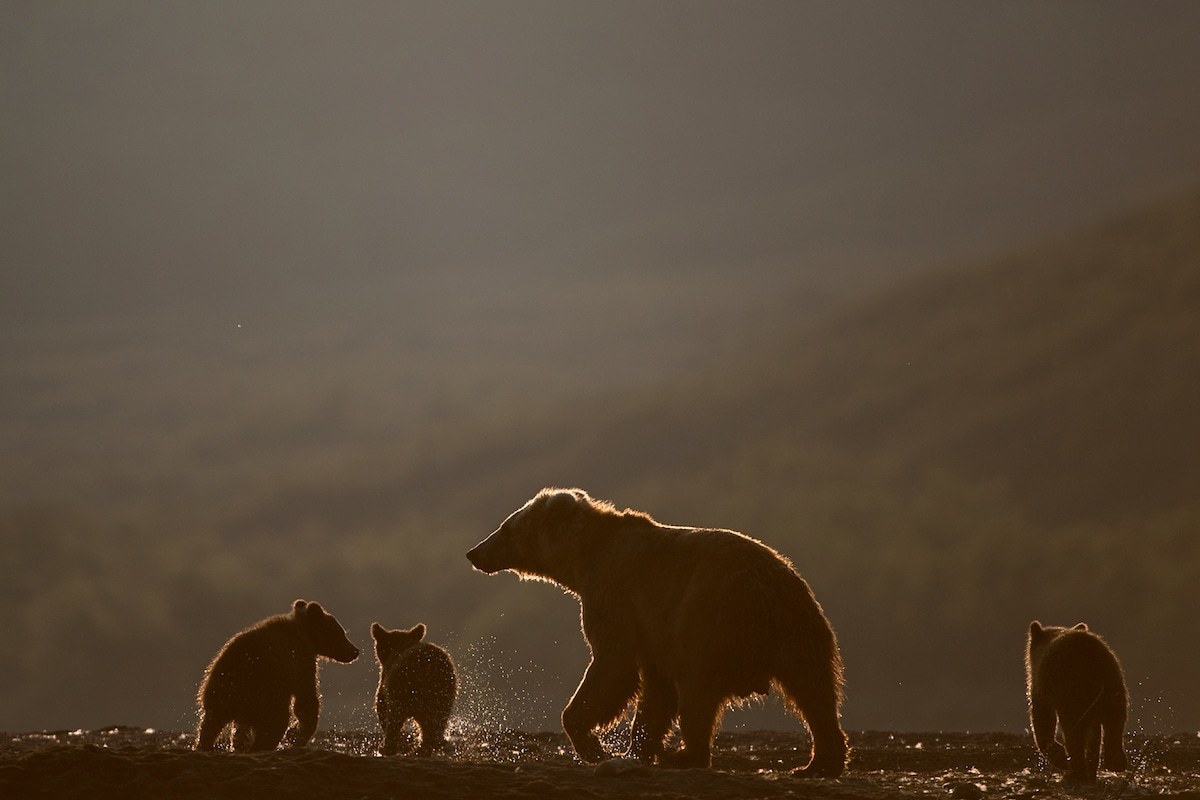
(684, 621)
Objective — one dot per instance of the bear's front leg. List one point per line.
(307, 708)
(605, 692)
(395, 739)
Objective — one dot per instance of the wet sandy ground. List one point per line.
(124, 762)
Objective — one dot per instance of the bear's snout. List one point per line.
(347, 655)
(478, 556)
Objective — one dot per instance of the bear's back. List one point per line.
(718, 549)
(1078, 662)
(262, 658)
(422, 671)
(722, 569)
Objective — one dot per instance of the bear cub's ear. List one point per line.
(1081, 626)
(299, 606)
(417, 632)
(1035, 628)
(377, 631)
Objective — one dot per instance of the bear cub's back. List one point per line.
(1076, 654)
(423, 669)
(413, 674)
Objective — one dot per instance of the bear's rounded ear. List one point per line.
(1081, 626)
(377, 631)
(1035, 628)
(314, 610)
(417, 632)
(299, 606)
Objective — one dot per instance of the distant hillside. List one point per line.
(1067, 375)
(1070, 372)
(946, 462)
(961, 454)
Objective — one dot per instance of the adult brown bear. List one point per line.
(684, 620)
(1075, 683)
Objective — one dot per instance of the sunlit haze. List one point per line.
(301, 300)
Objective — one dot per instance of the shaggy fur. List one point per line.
(1075, 683)
(417, 681)
(265, 673)
(683, 621)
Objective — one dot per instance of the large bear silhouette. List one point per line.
(682, 620)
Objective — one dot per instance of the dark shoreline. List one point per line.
(129, 762)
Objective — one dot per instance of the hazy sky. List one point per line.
(184, 154)
(252, 248)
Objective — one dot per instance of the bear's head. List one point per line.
(327, 635)
(540, 539)
(390, 644)
(1041, 635)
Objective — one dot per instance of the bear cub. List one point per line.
(417, 681)
(1076, 684)
(265, 674)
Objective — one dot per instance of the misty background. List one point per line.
(302, 299)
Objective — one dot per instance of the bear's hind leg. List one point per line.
(268, 730)
(1083, 750)
(1044, 720)
(395, 739)
(1092, 750)
(1112, 734)
(605, 691)
(433, 732)
(816, 703)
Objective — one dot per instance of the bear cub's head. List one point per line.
(327, 635)
(1041, 635)
(390, 644)
(524, 540)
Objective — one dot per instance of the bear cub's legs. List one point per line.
(1114, 750)
(432, 731)
(261, 733)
